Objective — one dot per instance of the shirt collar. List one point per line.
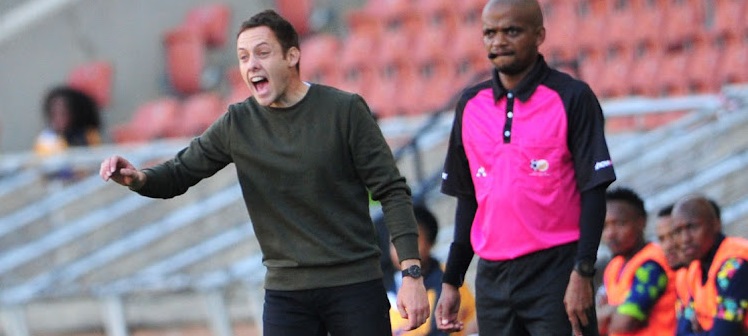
(527, 85)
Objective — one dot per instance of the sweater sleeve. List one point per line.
(203, 157)
(376, 165)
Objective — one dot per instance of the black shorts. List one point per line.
(360, 309)
(525, 296)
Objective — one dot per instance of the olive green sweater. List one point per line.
(304, 173)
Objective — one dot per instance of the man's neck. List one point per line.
(638, 247)
(295, 92)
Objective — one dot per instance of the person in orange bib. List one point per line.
(639, 286)
(717, 276)
(664, 230)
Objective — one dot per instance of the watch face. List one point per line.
(586, 268)
(413, 271)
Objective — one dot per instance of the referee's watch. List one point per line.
(413, 271)
(585, 268)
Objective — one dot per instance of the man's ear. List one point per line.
(293, 56)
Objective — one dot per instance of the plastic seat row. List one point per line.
(700, 68)
(204, 27)
(168, 116)
(581, 26)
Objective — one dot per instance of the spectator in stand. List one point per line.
(72, 120)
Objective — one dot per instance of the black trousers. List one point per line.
(525, 296)
(360, 309)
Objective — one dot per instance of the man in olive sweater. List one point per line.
(306, 156)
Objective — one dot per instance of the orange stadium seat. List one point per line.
(470, 12)
(560, 42)
(212, 21)
(469, 55)
(297, 12)
(150, 121)
(684, 21)
(319, 59)
(441, 16)
(185, 59)
(703, 62)
(734, 66)
(671, 78)
(197, 112)
(357, 61)
(95, 79)
(591, 70)
(361, 22)
(395, 72)
(643, 79)
(621, 16)
(396, 16)
(728, 18)
(591, 23)
(616, 73)
(649, 22)
(435, 74)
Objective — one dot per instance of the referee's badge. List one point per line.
(539, 165)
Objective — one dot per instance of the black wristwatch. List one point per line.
(412, 271)
(585, 268)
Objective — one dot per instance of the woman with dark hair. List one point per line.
(72, 119)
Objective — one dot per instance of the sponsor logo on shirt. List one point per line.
(444, 176)
(481, 172)
(539, 165)
(603, 164)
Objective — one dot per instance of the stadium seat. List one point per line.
(684, 21)
(616, 73)
(591, 21)
(185, 59)
(319, 59)
(211, 21)
(435, 74)
(672, 79)
(591, 70)
(470, 12)
(396, 17)
(95, 79)
(362, 23)
(357, 63)
(649, 22)
(734, 66)
(560, 41)
(643, 79)
(441, 16)
(703, 62)
(620, 17)
(469, 56)
(197, 112)
(150, 121)
(395, 72)
(297, 12)
(728, 18)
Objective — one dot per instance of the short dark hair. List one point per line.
(628, 196)
(666, 211)
(717, 209)
(426, 220)
(283, 30)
